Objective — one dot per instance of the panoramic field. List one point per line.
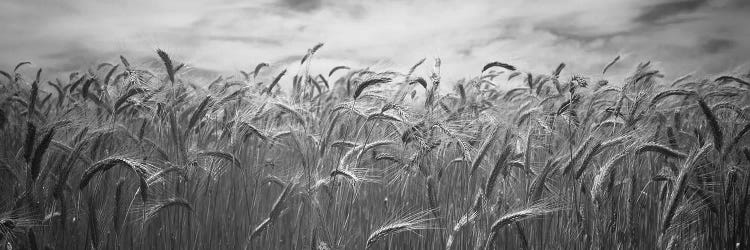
(120, 156)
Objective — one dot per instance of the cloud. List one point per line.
(713, 46)
(660, 11)
(245, 39)
(75, 56)
(302, 5)
(231, 35)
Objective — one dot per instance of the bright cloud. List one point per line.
(227, 36)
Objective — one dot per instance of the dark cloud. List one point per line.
(73, 56)
(658, 12)
(739, 4)
(466, 52)
(472, 45)
(302, 5)
(713, 46)
(565, 30)
(246, 39)
(574, 35)
(288, 59)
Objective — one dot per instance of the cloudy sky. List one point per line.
(680, 36)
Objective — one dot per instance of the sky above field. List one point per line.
(226, 36)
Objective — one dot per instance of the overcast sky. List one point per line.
(680, 36)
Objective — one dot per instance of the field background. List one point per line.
(124, 157)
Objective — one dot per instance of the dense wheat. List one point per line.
(122, 156)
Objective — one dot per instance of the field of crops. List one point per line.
(121, 156)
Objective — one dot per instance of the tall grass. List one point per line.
(124, 157)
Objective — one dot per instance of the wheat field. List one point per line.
(121, 156)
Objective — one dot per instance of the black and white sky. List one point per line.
(679, 36)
